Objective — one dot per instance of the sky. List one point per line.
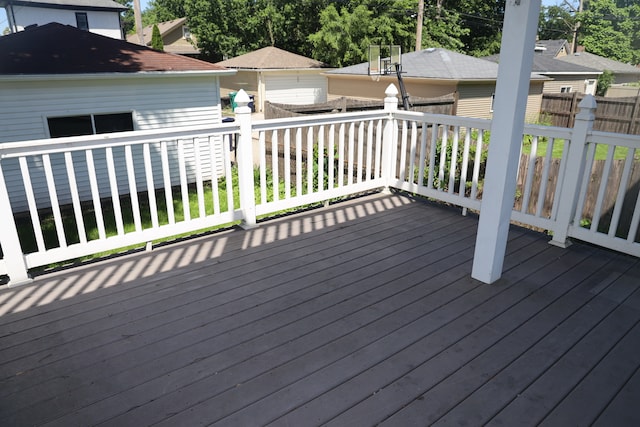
(143, 4)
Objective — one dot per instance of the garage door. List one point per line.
(296, 88)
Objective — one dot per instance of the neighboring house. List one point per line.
(553, 48)
(623, 73)
(431, 73)
(278, 76)
(175, 34)
(59, 81)
(567, 77)
(97, 16)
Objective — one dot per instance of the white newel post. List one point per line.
(245, 161)
(388, 135)
(574, 170)
(512, 88)
(13, 257)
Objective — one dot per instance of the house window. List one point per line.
(566, 89)
(89, 124)
(186, 33)
(493, 100)
(82, 22)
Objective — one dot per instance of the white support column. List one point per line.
(512, 88)
(11, 249)
(574, 170)
(245, 160)
(388, 132)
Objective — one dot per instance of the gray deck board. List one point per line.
(356, 314)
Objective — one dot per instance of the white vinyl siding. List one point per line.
(577, 84)
(157, 102)
(106, 23)
(475, 100)
(295, 88)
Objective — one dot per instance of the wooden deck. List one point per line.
(352, 315)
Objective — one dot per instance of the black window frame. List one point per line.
(90, 124)
(82, 21)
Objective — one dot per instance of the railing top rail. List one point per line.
(548, 131)
(75, 143)
(443, 119)
(318, 120)
(617, 139)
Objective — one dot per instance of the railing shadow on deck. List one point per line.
(185, 258)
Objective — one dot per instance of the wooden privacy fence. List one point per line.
(618, 115)
(595, 178)
(446, 104)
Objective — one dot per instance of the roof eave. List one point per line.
(102, 76)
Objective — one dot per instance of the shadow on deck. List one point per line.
(357, 314)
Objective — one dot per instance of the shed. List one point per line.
(276, 75)
(432, 73)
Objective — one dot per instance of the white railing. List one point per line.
(134, 188)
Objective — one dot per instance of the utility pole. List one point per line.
(138, 18)
(576, 25)
(419, 25)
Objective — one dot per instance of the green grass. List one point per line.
(620, 153)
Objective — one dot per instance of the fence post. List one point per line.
(388, 135)
(574, 170)
(16, 267)
(245, 161)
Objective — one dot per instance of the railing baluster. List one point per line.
(432, 154)
(378, 155)
(561, 174)
(351, 149)
(412, 152)
(287, 163)
(403, 152)
(184, 188)
(341, 155)
(228, 174)
(443, 156)
(31, 202)
(75, 198)
(332, 158)
(133, 190)
(595, 221)
(622, 190)
(369, 145)
(275, 175)
(115, 194)
(53, 196)
(95, 195)
(215, 191)
(199, 177)
(476, 165)
(465, 162)
(321, 158)
(454, 160)
(310, 162)
(262, 149)
(166, 174)
(298, 161)
(544, 178)
(151, 188)
(360, 153)
(528, 183)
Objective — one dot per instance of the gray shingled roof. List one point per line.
(551, 47)
(600, 63)
(545, 64)
(271, 58)
(89, 4)
(437, 63)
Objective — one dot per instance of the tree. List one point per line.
(156, 39)
(610, 29)
(605, 81)
(127, 19)
(556, 23)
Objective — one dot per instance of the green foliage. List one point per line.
(605, 80)
(610, 28)
(156, 39)
(127, 18)
(556, 23)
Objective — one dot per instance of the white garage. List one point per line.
(275, 75)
